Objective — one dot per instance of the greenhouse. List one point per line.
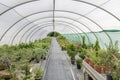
(59, 39)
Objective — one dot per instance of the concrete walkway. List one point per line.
(58, 67)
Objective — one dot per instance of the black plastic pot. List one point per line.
(72, 61)
(109, 77)
(78, 66)
(82, 57)
(44, 58)
(89, 78)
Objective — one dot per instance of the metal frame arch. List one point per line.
(42, 32)
(78, 1)
(42, 22)
(14, 36)
(89, 20)
(17, 6)
(43, 12)
(98, 8)
(51, 17)
(46, 26)
(73, 0)
(67, 23)
(50, 25)
(57, 11)
(29, 33)
(49, 31)
(72, 27)
(41, 36)
(77, 28)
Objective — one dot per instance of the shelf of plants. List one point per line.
(16, 61)
(104, 61)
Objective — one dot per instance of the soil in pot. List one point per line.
(91, 64)
(87, 60)
(98, 68)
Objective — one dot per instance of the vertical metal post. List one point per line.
(53, 15)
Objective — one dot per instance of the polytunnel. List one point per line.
(27, 21)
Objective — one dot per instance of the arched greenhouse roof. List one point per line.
(29, 20)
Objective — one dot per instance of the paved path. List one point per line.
(58, 67)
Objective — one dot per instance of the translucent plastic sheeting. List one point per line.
(71, 17)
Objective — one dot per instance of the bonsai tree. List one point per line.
(79, 63)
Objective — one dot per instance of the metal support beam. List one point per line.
(53, 15)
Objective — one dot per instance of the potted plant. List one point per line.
(25, 68)
(96, 47)
(44, 54)
(71, 50)
(113, 62)
(73, 59)
(83, 43)
(79, 63)
(82, 53)
(38, 72)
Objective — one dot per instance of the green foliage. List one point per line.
(63, 42)
(79, 62)
(83, 53)
(38, 72)
(26, 69)
(112, 48)
(97, 46)
(19, 57)
(83, 42)
(61, 37)
(53, 34)
(71, 49)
